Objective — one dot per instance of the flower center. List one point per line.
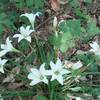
(25, 35)
(41, 77)
(56, 72)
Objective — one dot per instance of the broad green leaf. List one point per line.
(91, 27)
(88, 1)
(38, 4)
(20, 3)
(71, 26)
(74, 27)
(74, 3)
(30, 3)
(41, 98)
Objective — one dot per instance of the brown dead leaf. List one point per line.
(14, 85)
(16, 70)
(63, 2)
(9, 78)
(55, 5)
(68, 64)
(34, 98)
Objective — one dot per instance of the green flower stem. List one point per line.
(52, 92)
(15, 50)
(32, 25)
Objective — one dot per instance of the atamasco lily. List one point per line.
(25, 34)
(38, 76)
(31, 17)
(2, 62)
(95, 48)
(73, 66)
(77, 65)
(57, 71)
(7, 47)
(55, 22)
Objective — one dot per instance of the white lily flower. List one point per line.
(77, 65)
(95, 48)
(31, 17)
(38, 76)
(57, 71)
(25, 34)
(72, 65)
(55, 22)
(2, 62)
(7, 47)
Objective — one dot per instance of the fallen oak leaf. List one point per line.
(14, 86)
(9, 78)
(16, 70)
(55, 5)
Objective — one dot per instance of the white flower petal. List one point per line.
(34, 82)
(35, 72)
(53, 77)
(30, 76)
(1, 69)
(28, 38)
(94, 45)
(20, 38)
(8, 40)
(65, 71)
(77, 65)
(38, 13)
(92, 50)
(16, 35)
(60, 80)
(3, 46)
(42, 69)
(55, 22)
(8, 43)
(48, 72)
(45, 80)
(28, 28)
(52, 65)
(2, 53)
(59, 63)
(95, 48)
(22, 29)
(3, 62)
